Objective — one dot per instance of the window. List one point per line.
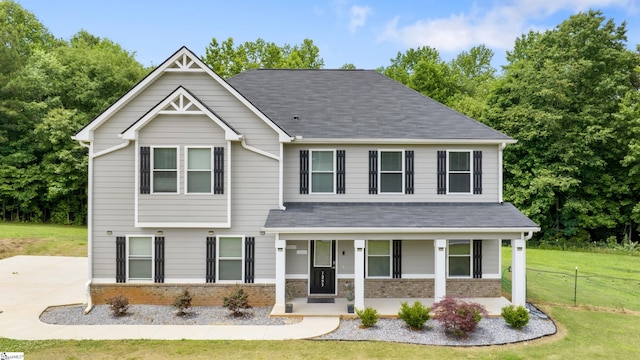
(459, 175)
(140, 258)
(379, 258)
(322, 171)
(460, 258)
(391, 171)
(199, 170)
(230, 258)
(165, 170)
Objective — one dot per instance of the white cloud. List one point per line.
(358, 17)
(496, 27)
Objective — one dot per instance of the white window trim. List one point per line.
(186, 170)
(177, 169)
(380, 172)
(333, 171)
(153, 258)
(218, 258)
(470, 276)
(390, 261)
(460, 172)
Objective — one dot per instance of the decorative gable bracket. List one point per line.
(184, 63)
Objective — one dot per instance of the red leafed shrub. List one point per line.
(458, 317)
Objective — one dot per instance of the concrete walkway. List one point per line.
(30, 284)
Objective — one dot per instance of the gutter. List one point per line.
(243, 142)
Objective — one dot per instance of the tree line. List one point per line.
(569, 95)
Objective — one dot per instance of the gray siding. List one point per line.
(491, 257)
(183, 131)
(357, 175)
(417, 257)
(345, 257)
(297, 263)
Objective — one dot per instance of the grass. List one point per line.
(42, 239)
(604, 280)
(584, 332)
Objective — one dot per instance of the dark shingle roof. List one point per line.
(398, 215)
(358, 104)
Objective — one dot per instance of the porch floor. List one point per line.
(387, 307)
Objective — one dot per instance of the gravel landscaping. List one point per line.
(491, 331)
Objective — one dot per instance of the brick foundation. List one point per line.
(164, 294)
(398, 288)
(474, 287)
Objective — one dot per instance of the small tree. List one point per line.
(119, 305)
(182, 302)
(236, 301)
(414, 316)
(458, 317)
(516, 317)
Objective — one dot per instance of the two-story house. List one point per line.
(304, 179)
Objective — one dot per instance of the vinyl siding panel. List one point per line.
(345, 257)
(491, 257)
(297, 264)
(418, 257)
(357, 175)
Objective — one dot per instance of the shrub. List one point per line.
(516, 317)
(368, 316)
(236, 300)
(414, 316)
(182, 302)
(458, 317)
(118, 305)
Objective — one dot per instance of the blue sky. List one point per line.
(367, 33)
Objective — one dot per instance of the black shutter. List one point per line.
(408, 172)
(304, 171)
(145, 170)
(340, 172)
(477, 259)
(477, 172)
(121, 259)
(442, 172)
(249, 259)
(373, 171)
(218, 170)
(159, 260)
(211, 259)
(397, 259)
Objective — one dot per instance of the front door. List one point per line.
(323, 267)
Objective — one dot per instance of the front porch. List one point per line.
(386, 307)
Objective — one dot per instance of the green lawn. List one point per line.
(42, 239)
(584, 334)
(604, 280)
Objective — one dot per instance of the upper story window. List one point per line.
(322, 171)
(459, 172)
(165, 170)
(391, 171)
(199, 170)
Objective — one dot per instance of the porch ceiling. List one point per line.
(407, 216)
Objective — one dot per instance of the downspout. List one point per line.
(92, 156)
(87, 285)
(528, 236)
(500, 172)
(243, 142)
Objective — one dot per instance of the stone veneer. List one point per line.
(164, 294)
(474, 288)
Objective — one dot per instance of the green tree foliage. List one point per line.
(569, 95)
(49, 89)
(227, 59)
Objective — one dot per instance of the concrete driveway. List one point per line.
(30, 284)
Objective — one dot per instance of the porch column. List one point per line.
(358, 281)
(440, 265)
(518, 272)
(281, 259)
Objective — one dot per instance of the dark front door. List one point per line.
(323, 267)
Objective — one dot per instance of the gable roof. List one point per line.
(355, 104)
(412, 217)
(183, 60)
(180, 101)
